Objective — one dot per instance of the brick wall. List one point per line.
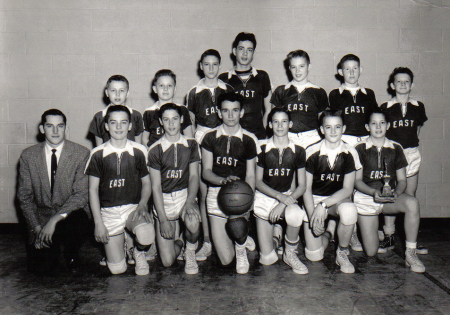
(59, 53)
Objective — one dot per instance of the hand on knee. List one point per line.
(348, 213)
(145, 233)
(294, 215)
(237, 229)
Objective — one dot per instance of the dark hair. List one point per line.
(117, 108)
(164, 73)
(52, 112)
(399, 70)
(376, 110)
(278, 110)
(349, 57)
(330, 113)
(242, 37)
(211, 52)
(169, 106)
(117, 77)
(297, 54)
(230, 97)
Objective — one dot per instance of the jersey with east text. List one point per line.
(403, 129)
(304, 106)
(120, 172)
(280, 165)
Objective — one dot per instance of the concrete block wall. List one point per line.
(59, 53)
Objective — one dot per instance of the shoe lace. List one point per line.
(343, 257)
(413, 259)
(139, 257)
(190, 258)
(293, 259)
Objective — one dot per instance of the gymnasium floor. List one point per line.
(386, 287)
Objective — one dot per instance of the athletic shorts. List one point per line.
(414, 158)
(318, 199)
(211, 203)
(264, 204)
(306, 138)
(173, 203)
(353, 140)
(365, 204)
(200, 133)
(115, 218)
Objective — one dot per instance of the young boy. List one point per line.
(278, 163)
(379, 155)
(173, 162)
(330, 178)
(304, 100)
(253, 85)
(229, 153)
(119, 189)
(164, 86)
(202, 105)
(116, 90)
(406, 116)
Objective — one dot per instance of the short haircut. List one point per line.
(117, 108)
(330, 113)
(349, 57)
(399, 70)
(169, 106)
(117, 77)
(278, 110)
(164, 73)
(376, 110)
(230, 97)
(211, 52)
(297, 54)
(242, 37)
(52, 112)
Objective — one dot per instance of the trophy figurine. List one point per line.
(386, 190)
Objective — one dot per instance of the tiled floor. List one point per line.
(385, 287)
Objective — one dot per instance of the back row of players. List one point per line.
(227, 114)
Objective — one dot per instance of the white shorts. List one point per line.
(211, 203)
(115, 218)
(200, 133)
(263, 205)
(306, 138)
(365, 204)
(414, 158)
(318, 199)
(173, 203)
(353, 140)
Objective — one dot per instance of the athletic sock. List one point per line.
(389, 229)
(411, 245)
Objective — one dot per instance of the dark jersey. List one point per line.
(97, 126)
(304, 106)
(280, 166)
(254, 90)
(329, 179)
(355, 108)
(202, 102)
(173, 160)
(230, 153)
(373, 158)
(403, 129)
(152, 125)
(120, 172)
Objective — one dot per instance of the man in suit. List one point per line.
(53, 195)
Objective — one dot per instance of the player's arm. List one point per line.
(418, 130)
(100, 231)
(145, 138)
(267, 190)
(142, 208)
(208, 174)
(361, 186)
(308, 199)
(98, 141)
(166, 228)
(190, 206)
(192, 116)
(343, 193)
(301, 184)
(401, 181)
(267, 108)
(188, 132)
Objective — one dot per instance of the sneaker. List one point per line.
(291, 259)
(141, 267)
(129, 254)
(421, 250)
(151, 253)
(388, 243)
(412, 261)
(250, 244)
(278, 237)
(190, 266)
(181, 255)
(242, 264)
(103, 262)
(380, 235)
(204, 252)
(355, 244)
(343, 262)
(381, 250)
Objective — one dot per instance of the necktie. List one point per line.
(54, 166)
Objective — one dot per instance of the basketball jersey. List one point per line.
(280, 166)
(230, 153)
(304, 106)
(173, 160)
(403, 128)
(203, 103)
(152, 125)
(97, 126)
(254, 90)
(328, 179)
(354, 108)
(120, 172)
(372, 161)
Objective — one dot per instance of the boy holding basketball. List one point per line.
(229, 153)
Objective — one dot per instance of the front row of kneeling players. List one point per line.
(280, 170)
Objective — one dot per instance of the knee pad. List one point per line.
(315, 255)
(268, 259)
(117, 268)
(294, 215)
(348, 213)
(237, 228)
(145, 233)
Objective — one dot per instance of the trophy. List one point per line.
(386, 190)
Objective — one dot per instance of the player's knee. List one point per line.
(192, 223)
(412, 205)
(348, 213)
(117, 268)
(268, 259)
(145, 233)
(294, 215)
(314, 255)
(237, 228)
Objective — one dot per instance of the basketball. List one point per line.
(235, 197)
